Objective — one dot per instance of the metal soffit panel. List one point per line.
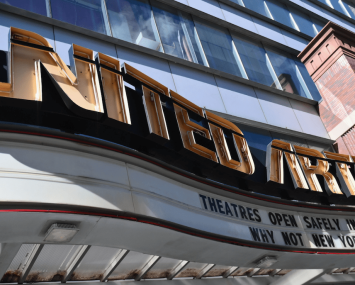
(54, 260)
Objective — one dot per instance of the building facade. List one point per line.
(181, 141)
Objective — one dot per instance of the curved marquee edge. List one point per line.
(90, 141)
(172, 226)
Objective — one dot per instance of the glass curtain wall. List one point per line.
(350, 7)
(282, 13)
(219, 49)
(133, 21)
(35, 6)
(88, 14)
(178, 33)
(288, 73)
(345, 7)
(274, 68)
(258, 6)
(304, 22)
(255, 61)
(168, 30)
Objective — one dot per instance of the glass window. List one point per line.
(133, 21)
(36, 6)
(350, 7)
(178, 34)
(308, 80)
(280, 13)
(83, 13)
(219, 49)
(258, 6)
(303, 22)
(258, 140)
(239, 2)
(338, 5)
(318, 24)
(255, 62)
(288, 73)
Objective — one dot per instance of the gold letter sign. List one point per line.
(85, 94)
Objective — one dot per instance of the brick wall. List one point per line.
(337, 87)
(348, 139)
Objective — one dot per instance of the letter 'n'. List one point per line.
(79, 88)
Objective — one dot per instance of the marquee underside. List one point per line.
(136, 222)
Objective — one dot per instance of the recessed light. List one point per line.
(60, 233)
(266, 261)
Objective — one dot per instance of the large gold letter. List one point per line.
(189, 129)
(245, 163)
(322, 167)
(114, 90)
(275, 164)
(344, 175)
(152, 103)
(28, 50)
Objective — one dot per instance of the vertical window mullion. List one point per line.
(344, 9)
(49, 8)
(187, 36)
(156, 30)
(105, 15)
(268, 11)
(294, 22)
(198, 40)
(239, 61)
(303, 83)
(273, 73)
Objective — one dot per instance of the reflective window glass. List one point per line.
(239, 2)
(338, 5)
(178, 34)
(326, 2)
(303, 22)
(257, 141)
(288, 73)
(219, 49)
(133, 21)
(308, 80)
(280, 13)
(254, 60)
(36, 6)
(350, 7)
(318, 24)
(83, 13)
(258, 6)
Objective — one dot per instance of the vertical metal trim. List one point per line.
(116, 261)
(106, 18)
(177, 269)
(156, 26)
(36, 250)
(274, 272)
(76, 261)
(204, 271)
(203, 54)
(230, 271)
(253, 272)
(152, 261)
(49, 9)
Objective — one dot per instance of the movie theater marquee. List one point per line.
(154, 120)
(295, 229)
